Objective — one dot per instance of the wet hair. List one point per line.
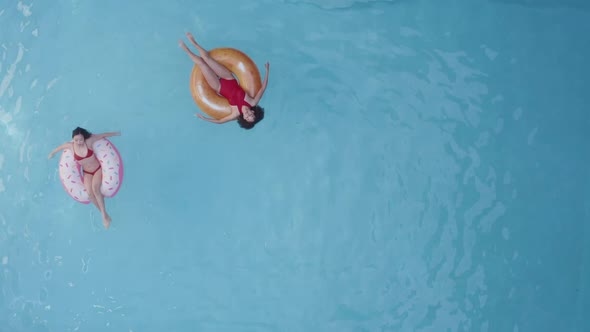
(81, 131)
(258, 116)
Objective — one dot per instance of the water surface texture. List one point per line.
(422, 166)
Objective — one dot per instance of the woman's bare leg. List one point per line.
(217, 67)
(210, 75)
(90, 191)
(96, 183)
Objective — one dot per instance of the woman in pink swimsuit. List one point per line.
(81, 142)
(245, 108)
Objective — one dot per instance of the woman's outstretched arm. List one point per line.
(220, 121)
(262, 88)
(64, 146)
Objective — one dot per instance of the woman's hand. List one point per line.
(267, 66)
(50, 155)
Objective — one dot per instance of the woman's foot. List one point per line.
(106, 221)
(184, 47)
(193, 56)
(202, 51)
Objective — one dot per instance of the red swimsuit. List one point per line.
(233, 92)
(88, 155)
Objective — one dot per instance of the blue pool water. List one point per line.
(423, 166)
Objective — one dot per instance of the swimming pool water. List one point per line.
(422, 166)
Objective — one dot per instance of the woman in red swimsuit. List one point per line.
(245, 108)
(81, 142)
